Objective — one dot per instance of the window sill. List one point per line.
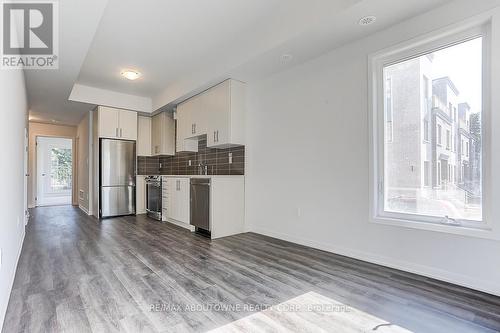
(485, 232)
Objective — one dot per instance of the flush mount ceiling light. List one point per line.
(286, 58)
(130, 74)
(367, 20)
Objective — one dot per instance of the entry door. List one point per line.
(54, 171)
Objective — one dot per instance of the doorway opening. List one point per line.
(54, 171)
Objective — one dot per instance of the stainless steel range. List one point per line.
(153, 197)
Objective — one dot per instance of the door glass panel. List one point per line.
(60, 170)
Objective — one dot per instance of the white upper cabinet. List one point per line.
(186, 137)
(196, 116)
(163, 135)
(109, 126)
(117, 123)
(128, 125)
(218, 112)
(144, 145)
(226, 104)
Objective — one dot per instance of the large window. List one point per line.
(418, 181)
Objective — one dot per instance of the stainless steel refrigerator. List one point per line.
(117, 178)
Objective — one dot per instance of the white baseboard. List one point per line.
(84, 209)
(11, 284)
(427, 271)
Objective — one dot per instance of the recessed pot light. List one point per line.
(367, 20)
(131, 75)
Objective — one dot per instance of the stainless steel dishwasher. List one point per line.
(200, 204)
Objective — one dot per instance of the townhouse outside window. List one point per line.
(416, 167)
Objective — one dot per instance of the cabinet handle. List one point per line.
(214, 137)
(121, 132)
(217, 135)
(194, 128)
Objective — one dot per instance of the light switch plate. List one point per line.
(230, 158)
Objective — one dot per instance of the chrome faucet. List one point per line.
(202, 169)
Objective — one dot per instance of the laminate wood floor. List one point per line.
(133, 274)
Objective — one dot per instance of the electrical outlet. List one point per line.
(230, 158)
(189, 163)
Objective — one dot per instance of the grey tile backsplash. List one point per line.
(216, 160)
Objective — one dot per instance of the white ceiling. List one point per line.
(182, 46)
(48, 90)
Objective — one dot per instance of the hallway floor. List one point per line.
(133, 274)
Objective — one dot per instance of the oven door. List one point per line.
(153, 199)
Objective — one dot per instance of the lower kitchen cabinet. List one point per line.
(227, 206)
(227, 203)
(140, 195)
(177, 200)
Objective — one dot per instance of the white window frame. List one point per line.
(391, 108)
(448, 139)
(459, 33)
(426, 131)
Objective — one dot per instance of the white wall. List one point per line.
(49, 130)
(83, 149)
(13, 106)
(308, 149)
